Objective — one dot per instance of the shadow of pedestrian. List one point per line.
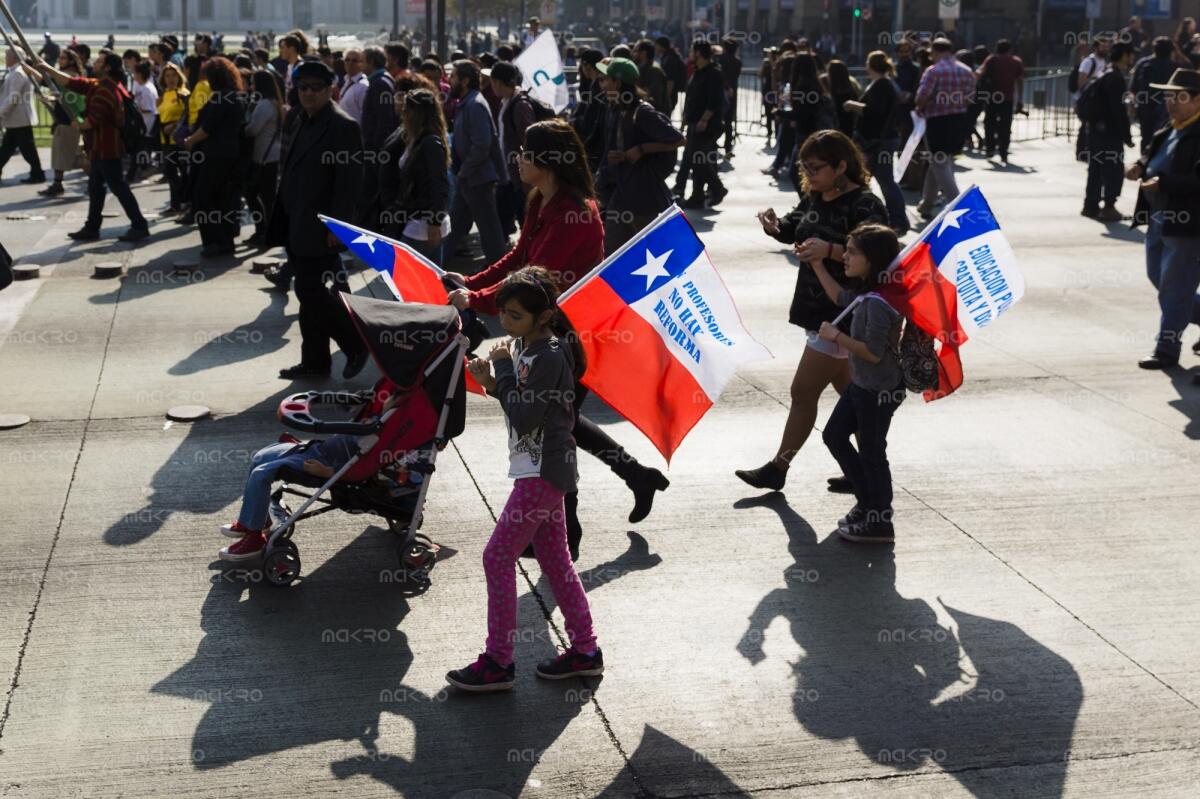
(910, 685)
(1189, 400)
(660, 756)
(206, 471)
(260, 336)
(287, 667)
(494, 741)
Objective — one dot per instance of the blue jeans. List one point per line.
(107, 172)
(868, 413)
(881, 167)
(256, 499)
(1173, 266)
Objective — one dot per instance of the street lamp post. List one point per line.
(183, 18)
(396, 19)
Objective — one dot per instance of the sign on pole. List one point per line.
(949, 9)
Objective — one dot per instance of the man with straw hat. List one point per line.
(1169, 205)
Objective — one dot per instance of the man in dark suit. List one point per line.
(321, 173)
(378, 122)
(477, 165)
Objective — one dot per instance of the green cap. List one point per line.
(622, 69)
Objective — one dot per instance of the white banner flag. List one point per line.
(910, 147)
(542, 68)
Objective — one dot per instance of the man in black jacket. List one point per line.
(321, 173)
(1169, 205)
(1108, 135)
(731, 72)
(703, 111)
(378, 120)
(1155, 68)
(672, 63)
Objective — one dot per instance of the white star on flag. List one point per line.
(951, 219)
(654, 267)
(367, 240)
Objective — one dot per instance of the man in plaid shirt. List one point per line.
(942, 97)
(104, 119)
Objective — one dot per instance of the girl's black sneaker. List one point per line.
(483, 675)
(767, 476)
(572, 664)
(852, 518)
(869, 533)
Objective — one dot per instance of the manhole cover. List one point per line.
(480, 793)
(108, 269)
(186, 266)
(188, 413)
(11, 421)
(26, 271)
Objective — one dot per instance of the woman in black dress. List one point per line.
(834, 200)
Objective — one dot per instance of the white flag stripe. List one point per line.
(700, 326)
(985, 275)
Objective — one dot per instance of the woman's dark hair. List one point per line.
(222, 75)
(423, 116)
(554, 145)
(805, 78)
(834, 147)
(839, 79)
(266, 88)
(879, 61)
(1187, 26)
(74, 62)
(880, 247)
(192, 65)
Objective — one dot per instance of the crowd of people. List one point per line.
(424, 150)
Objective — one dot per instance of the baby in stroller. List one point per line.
(319, 458)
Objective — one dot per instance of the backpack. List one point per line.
(660, 165)
(1089, 106)
(918, 359)
(541, 109)
(133, 129)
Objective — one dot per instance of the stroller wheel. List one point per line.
(281, 565)
(416, 560)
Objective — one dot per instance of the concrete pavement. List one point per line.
(1032, 633)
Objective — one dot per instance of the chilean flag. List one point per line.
(957, 277)
(411, 276)
(660, 331)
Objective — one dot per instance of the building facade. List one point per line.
(223, 15)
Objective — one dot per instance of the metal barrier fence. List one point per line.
(1048, 108)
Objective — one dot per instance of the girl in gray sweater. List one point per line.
(535, 384)
(876, 383)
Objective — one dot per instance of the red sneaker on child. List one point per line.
(248, 547)
(236, 530)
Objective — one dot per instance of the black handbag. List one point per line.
(6, 272)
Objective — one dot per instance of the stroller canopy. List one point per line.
(402, 336)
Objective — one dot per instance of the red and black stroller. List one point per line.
(414, 410)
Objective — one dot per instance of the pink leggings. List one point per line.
(534, 512)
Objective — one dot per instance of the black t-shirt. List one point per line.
(830, 221)
(878, 120)
(641, 187)
(221, 118)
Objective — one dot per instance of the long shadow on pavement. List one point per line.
(882, 669)
(262, 335)
(501, 737)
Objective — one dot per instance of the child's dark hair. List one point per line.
(531, 287)
(880, 246)
(534, 289)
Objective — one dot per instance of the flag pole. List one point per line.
(12, 22)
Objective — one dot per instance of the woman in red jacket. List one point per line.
(562, 233)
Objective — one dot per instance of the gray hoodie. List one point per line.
(536, 388)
